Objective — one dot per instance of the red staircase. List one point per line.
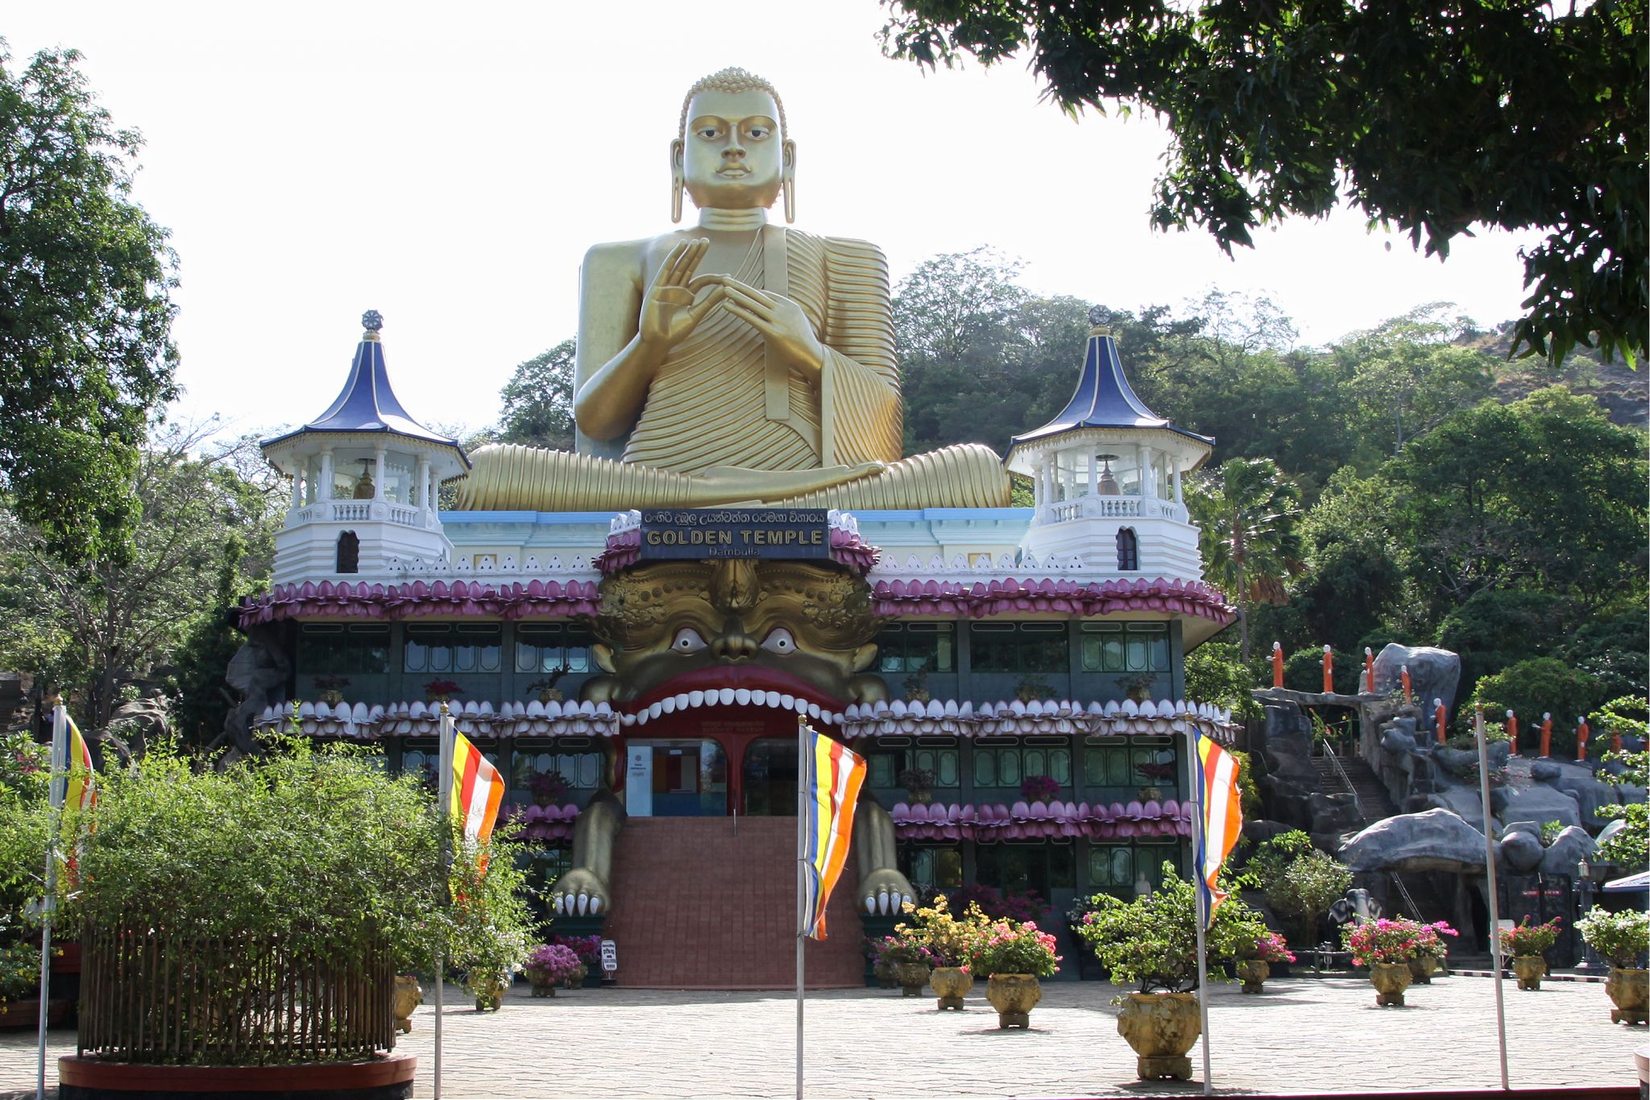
(710, 903)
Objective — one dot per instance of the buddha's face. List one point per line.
(733, 156)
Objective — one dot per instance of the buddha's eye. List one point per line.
(759, 132)
(687, 640)
(709, 132)
(779, 640)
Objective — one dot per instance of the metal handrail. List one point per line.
(1346, 781)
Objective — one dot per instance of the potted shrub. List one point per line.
(1431, 953)
(1040, 788)
(545, 687)
(589, 951)
(331, 688)
(1386, 947)
(918, 784)
(313, 869)
(1013, 955)
(906, 962)
(550, 965)
(439, 691)
(1152, 941)
(950, 943)
(1622, 939)
(1526, 943)
(1257, 948)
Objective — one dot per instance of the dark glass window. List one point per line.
(452, 647)
(1125, 647)
(547, 647)
(1128, 549)
(341, 648)
(1018, 647)
(917, 647)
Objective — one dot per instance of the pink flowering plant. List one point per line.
(1529, 939)
(1271, 947)
(552, 964)
(587, 948)
(891, 951)
(1386, 941)
(1432, 939)
(1013, 947)
(1039, 788)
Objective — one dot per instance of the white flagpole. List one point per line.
(1199, 850)
(55, 791)
(443, 798)
(1495, 901)
(803, 763)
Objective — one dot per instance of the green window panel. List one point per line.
(1125, 647)
(452, 647)
(543, 648)
(1009, 765)
(1025, 648)
(1113, 868)
(339, 648)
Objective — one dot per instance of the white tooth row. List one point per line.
(729, 697)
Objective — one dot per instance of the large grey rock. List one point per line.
(1433, 673)
(1397, 740)
(1436, 840)
(1519, 852)
(1462, 801)
(1511, 827)
(1579, 782)
(1571, 846)
(259, 672)
(1538, 805)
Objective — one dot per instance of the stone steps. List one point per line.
(710, 903)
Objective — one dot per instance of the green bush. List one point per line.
(1541, 684)
(1303, 893)
(1152, 940)
(1620, 937)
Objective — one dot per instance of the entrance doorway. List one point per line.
(676, 778)
(768, 778)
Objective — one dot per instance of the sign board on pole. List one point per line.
(610, 957)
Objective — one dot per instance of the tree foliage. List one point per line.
(1432, 117)
(538, 401)
(205, 538)
(85, 310)
(1246, 512)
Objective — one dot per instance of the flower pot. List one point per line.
(1390, 980)
(1530, 970)
(1422, 968)
(952, 983)
(1254, 973)
(1627, 988)
(408, 996)
(911, 978)
(1161, 1027)
(921, 798)
(490, 995)
(543, 989)
(1013, 996)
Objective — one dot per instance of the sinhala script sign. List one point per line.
(698, 533)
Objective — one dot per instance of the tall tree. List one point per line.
(1435, 117)
(205, 538)
(538, 401)
(86, 355)
(1246, 511)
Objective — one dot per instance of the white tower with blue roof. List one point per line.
(366, 481)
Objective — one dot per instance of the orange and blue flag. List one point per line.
(478, 789)
(1220, 817)
(832, 774)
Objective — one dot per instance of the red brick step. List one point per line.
(710, 903)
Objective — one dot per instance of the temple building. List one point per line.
(630, 631)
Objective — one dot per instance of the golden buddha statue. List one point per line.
(739, 362)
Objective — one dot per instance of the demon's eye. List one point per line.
(779, 640)
(687, 640)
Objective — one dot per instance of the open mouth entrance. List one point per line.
(713, 762)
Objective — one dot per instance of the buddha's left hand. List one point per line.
(780, 320)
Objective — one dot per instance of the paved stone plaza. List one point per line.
(1301, 1034)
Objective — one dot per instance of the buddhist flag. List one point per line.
(477, 791)
(1220, 817)
(831, 778)
(82, 789)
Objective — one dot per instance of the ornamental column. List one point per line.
(422, 487)
(324, 490)
(378, 474)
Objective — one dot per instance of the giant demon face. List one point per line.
(681, 634)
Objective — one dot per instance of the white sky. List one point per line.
(448, 167)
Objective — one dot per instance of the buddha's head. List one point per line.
(732, 151)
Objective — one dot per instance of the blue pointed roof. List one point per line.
(1104, 399)
(367, 403)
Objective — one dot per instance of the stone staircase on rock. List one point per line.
(710, 903)
(1412, 895)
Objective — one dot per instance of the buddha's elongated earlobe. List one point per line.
(675, 181)
(787, 182)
